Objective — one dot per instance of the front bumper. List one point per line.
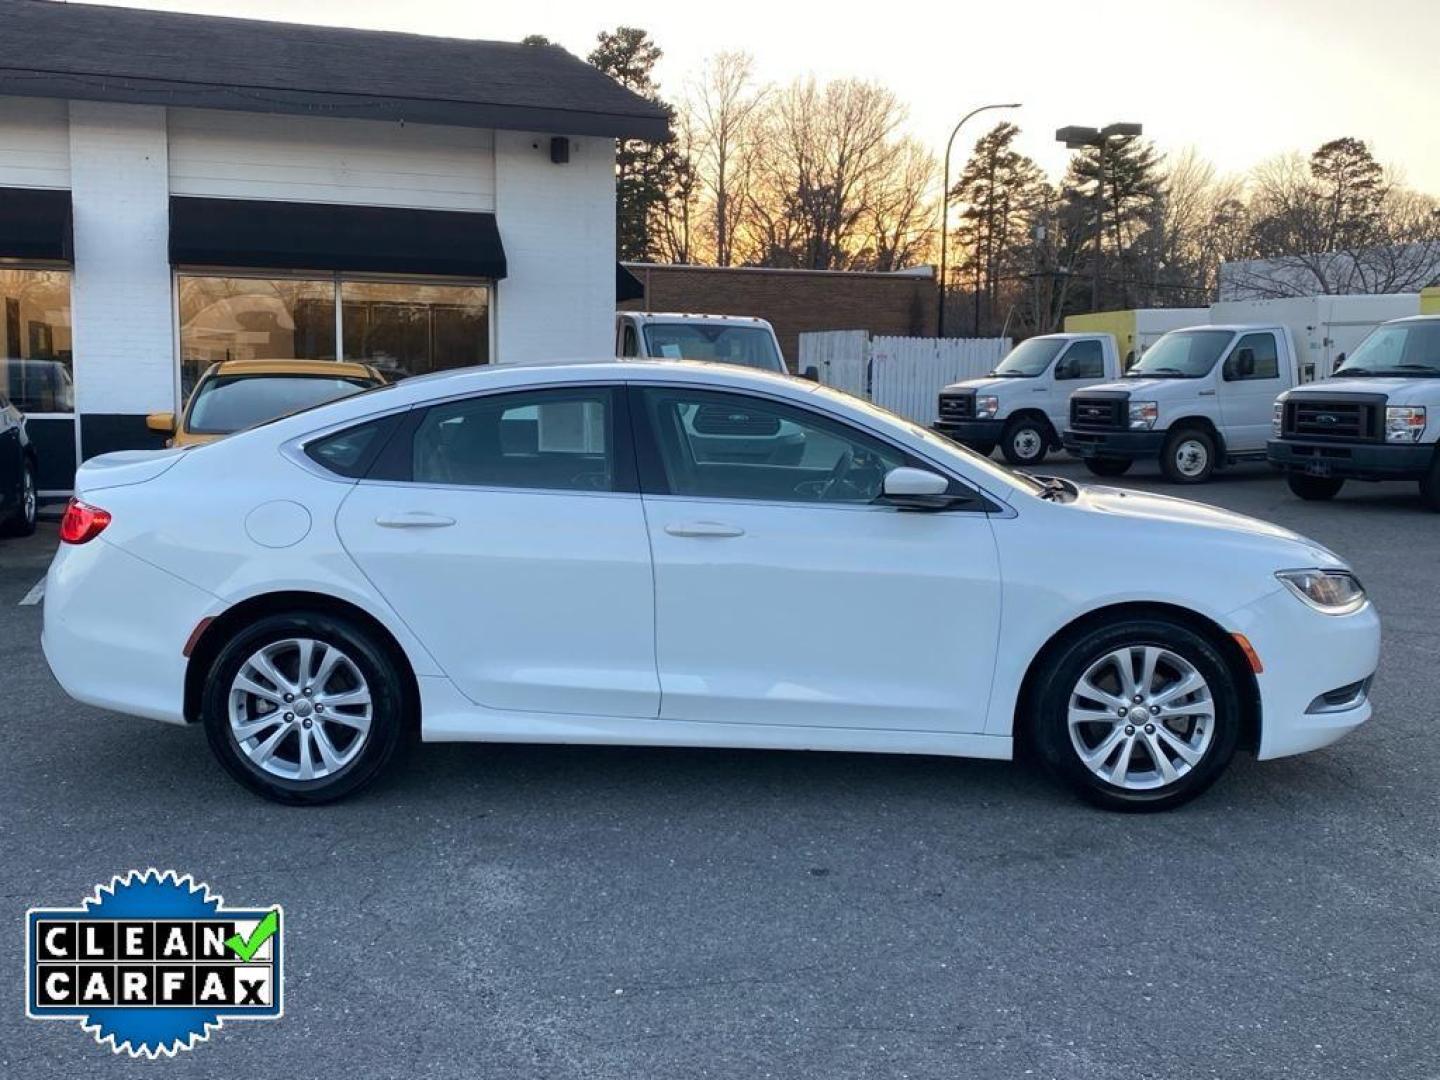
(1359, 461)
(970, 431)
(1114, 444)
(1306, 654)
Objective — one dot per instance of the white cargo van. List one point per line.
(1198, 399)
(1022, 405)
(724, 339)
(1377, 419)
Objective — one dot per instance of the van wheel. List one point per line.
(1314, 488)
(1143, 714)
(1109, 466)
(984, 449)
(27, 513)
(304, 708)
(1188, 457)
(1430, 486)
(1025, 441)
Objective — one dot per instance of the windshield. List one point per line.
(228, 403)
(1030, 358)
(751, 346)
(1397, 349)
(1182, 354)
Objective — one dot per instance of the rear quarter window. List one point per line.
(351, 452)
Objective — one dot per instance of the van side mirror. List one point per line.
(1242, 364)
(161, 421)
(919, 489)
(1338, 361)
(812, 373)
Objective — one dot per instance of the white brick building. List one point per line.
(179, 189)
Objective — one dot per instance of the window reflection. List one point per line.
(35, 345)
(408, 329)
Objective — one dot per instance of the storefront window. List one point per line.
(241, 318)
(408, 329)
(35, 347)
(402, 328)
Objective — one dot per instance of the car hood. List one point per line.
(1139, 388)
(124, 467)
(985, 382)
(1393, 388)
(1167, 510)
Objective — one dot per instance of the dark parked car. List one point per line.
(18, 470)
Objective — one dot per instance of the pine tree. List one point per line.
(1127, 204)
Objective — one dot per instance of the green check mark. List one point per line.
(246, 948)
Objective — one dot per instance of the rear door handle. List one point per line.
(1206, 393)
(414, 519)
(704, 528)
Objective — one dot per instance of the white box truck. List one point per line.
(1378, 418)
(723, 339)
(1325, 328)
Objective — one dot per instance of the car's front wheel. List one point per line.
(1314, 488)
(1188, 457)
(1143, 714)
(1109, 466)
(304, 708)
(1025, 441)
(27, 509)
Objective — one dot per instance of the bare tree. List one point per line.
(723, 108)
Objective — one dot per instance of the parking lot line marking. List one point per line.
(35, 595)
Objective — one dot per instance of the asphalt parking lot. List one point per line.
(520, 911)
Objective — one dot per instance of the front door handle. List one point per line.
(1206, 393)
(414, 519)
(704, 528)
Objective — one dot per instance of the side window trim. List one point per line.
(395, 464)
(654, 481)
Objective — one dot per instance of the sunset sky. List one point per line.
(1239, 79)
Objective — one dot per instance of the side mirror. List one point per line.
(812, 373)
(162, 422)
(1338, 361)
(1063, 369)
(918, 489)
(1241, 365)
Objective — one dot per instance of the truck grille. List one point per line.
(1098, 414)
(724, 420)
(957, 406)
(1351, 419)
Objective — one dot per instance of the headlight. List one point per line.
(986, 406)
(1335, 592)
(1277, 420)
(1404, 423)
(1143, 415)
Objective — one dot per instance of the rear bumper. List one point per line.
(115, 627)
(970, 431)
(1114, 444)
(1359, 461)
(1307, 654)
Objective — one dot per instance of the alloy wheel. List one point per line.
(300, 709)
(1141, 717)
(28, 502)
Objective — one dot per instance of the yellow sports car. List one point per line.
(238, 394)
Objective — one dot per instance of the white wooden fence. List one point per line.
(902, 374)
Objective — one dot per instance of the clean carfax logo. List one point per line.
(153, 962)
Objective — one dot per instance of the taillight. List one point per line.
(82, 522)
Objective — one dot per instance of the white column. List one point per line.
(557, 223)
(121, 295)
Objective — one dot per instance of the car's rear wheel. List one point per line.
(1189, 456)
(304, 708)
(1314, 488)
(1143, 714)
(1025, 441)
(27, 513)
(1109, 466)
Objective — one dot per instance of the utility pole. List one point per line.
(945, 207)
(1076, 138)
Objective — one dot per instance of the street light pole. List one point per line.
(945, 206)
(1076, 138)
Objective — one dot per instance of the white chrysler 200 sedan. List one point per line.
(572, 554)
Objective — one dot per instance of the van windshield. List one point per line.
(1029, 358)
(750, 346)
(1181, 354)
(1398, 349)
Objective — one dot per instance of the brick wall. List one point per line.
(794, 301)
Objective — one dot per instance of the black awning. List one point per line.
(324, 236)
(35, 224)
(627, 285)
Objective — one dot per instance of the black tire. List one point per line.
(1314, 488)
(984, 449)
(27, 514)
(1109, 466)
(1177, 462)
(1430, 486)
(390, 719)
(1025, 441)
(1050, 729)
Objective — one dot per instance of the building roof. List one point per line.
(90, 52)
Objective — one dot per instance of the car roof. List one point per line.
(339, 368)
